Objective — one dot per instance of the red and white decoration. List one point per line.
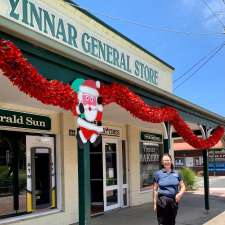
(89, 110)
(23, 75)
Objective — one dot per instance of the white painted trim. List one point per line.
(58, 172)
(202, 131)
(29, 216)
(165, 136)
(209, 132)
(145, 191)
(114, 187)
(127, 173)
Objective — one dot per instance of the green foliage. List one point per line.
(189, 177)
(22, 180)
(6, 180)
(3, 171)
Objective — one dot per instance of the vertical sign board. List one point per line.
(217, 160)
(149, 157)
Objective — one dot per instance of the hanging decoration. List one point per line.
(22, 74)
(89, 110)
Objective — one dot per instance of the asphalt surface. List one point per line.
(191, 209)
(214, 182)
(191, 212)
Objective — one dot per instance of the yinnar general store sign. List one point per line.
(39, 17)
(24, 120)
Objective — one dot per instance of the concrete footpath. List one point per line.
(191, 212)
(218, 220)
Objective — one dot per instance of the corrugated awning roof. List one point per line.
(185, 146)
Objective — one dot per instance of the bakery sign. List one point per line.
(149, 152)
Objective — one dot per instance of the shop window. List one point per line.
(150, 153)
(22, 167)
(189, 162)
(198, 161)
(12, 174)
(179, 162)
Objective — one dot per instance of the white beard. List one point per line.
(90, 115)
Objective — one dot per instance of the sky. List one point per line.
(205, 88)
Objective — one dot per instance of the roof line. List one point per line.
(117, 32)
(186, 103)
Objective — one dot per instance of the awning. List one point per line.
(182, 146)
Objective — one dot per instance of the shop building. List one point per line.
(187, 156)
(38, 147)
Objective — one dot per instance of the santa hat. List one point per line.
(90, 87)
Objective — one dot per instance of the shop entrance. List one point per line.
(41, 190)
(41, 185)
(96, 178)
(108, 175)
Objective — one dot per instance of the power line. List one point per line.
(193, 66)
(146, 26)
(212, 56)
(220, 12)
(213, 13)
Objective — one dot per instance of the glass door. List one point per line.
(110, 174)
(41, 164)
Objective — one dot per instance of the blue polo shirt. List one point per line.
(168, 182)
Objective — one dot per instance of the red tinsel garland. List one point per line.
(22, 74)
(138, 108)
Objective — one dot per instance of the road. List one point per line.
(216, 186)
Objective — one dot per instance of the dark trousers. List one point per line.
(166, 210)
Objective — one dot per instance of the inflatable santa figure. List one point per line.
(89, 109)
